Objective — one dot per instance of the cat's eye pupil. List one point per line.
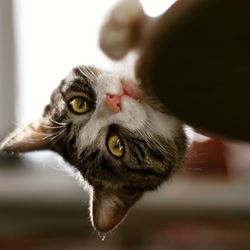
(115, 145)
(79, 105)
(82, 105)
(118, 144)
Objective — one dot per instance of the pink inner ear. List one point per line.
(34, 137)
(109, 209)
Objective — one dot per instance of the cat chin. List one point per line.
(164, 125)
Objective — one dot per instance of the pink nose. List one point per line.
(113, 102)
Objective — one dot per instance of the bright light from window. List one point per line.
(156, 8)
(53, 37)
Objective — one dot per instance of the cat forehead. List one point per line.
(98, 80)
(75, 81)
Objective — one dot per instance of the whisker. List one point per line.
(51, 137)
(82, 72)
(58, 123)
(152, 140)
(53, 127)
(86, 73)
(45, 136)
(56, 135)
(57, 138)
(91, 72)
(42, 134)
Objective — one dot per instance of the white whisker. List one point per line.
(147, 135)
(87, 73)
(90, 71)
(57, 138)
(53, 127)
(58, 123)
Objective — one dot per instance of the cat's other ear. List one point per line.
(36, 136)
(108, 209)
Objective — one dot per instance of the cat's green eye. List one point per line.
(115, 145)
(79, 105)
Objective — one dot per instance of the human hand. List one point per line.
(196, 58)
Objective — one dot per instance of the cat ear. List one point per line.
(109, 209)
(34, 137)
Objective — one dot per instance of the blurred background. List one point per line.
(42, 207)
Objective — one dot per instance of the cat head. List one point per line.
(121, 143)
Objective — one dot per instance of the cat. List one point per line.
(113, 133)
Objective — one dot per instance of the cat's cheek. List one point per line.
(133, 114)
(163, 125)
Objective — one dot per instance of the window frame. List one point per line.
(7, 69)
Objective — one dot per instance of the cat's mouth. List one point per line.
(114, 102)
(131, 90)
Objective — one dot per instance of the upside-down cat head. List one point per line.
(112, 133)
